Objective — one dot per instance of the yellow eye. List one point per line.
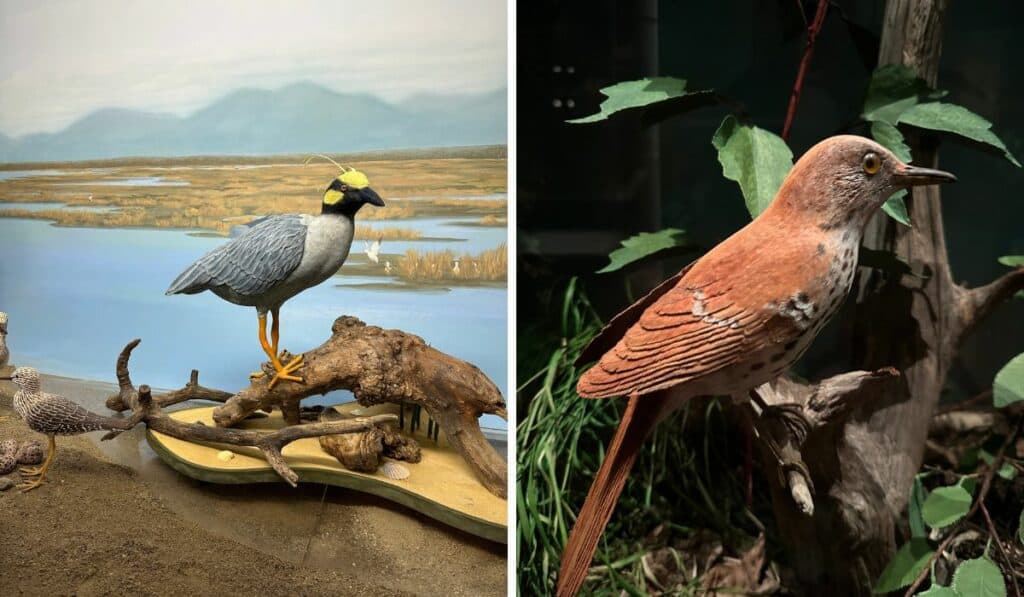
(872, 163)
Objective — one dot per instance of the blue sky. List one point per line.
(62, 59)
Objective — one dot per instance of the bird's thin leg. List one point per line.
(40, 474)
(296, 361)
(263, 343)
(283, 372)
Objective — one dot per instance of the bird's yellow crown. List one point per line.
(355, 179)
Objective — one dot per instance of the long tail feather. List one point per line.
(641, 416)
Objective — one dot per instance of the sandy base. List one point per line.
(441, 485)
(99, 527)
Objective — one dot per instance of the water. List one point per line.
(137, 181)
(9, 174)
(76, 296)
(54, 205)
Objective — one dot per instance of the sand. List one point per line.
(116, 521)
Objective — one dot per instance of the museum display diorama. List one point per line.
(254, 331)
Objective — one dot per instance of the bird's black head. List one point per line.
(348, 193)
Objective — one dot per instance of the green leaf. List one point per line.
(643, 245)
(1006, 471)
(755, 158)
(1020, 528)
(945, 506)
(893, 89)
(905, 566)
(979, 578)
(637, 94)
(918, 494)
(969, 484)
(951, 118)
(891, 138)
(1012, 260)
(896, 209)
(1009, 384)
(938, 591)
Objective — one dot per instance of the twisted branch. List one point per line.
(808, 408)
(975, 304)
(146, 410)
(377, 366)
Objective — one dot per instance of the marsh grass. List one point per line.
(685, 477)
(212, 189)
(438, 266)
(370, 233)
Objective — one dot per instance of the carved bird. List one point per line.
(737, 317)
(54, 415)
(279, 257)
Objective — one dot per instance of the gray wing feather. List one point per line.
(250, 264)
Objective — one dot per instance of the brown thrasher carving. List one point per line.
(737, 317)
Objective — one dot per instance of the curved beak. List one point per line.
(911, 176)
(370, 196)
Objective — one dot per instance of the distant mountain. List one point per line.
(299, 118)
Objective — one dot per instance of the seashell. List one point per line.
(30, 453)
(225, 455)
(9, 446)
(393, 470)
(7, 463)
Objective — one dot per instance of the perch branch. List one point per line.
(986, 484)
(377, 366)
(975, 304)
(191, 391)
(812, 34)
(380, 366)
(148, 411)
(811, 407)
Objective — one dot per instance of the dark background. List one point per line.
(584, 188)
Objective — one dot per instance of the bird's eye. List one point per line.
(343, 188)
(872, 163)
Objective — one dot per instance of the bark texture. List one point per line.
(377, 366)
(859, 471)
(145, 410)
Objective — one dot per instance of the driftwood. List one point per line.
(377, 366)
(364, 451)
(141, 402)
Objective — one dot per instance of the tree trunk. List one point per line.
(862, 468)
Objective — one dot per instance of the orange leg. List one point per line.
(39, 473)
(283, 371)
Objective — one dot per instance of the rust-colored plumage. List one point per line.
(738, 316)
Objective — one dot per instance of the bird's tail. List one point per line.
(642, 414)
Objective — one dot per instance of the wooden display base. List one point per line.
(441, 486)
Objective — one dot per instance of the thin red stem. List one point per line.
(812, 34)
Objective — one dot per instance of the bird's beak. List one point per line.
(370, 196)
(912, 176)
(6, 378)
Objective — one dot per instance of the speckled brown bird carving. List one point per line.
(53, 415)
(738, 316)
